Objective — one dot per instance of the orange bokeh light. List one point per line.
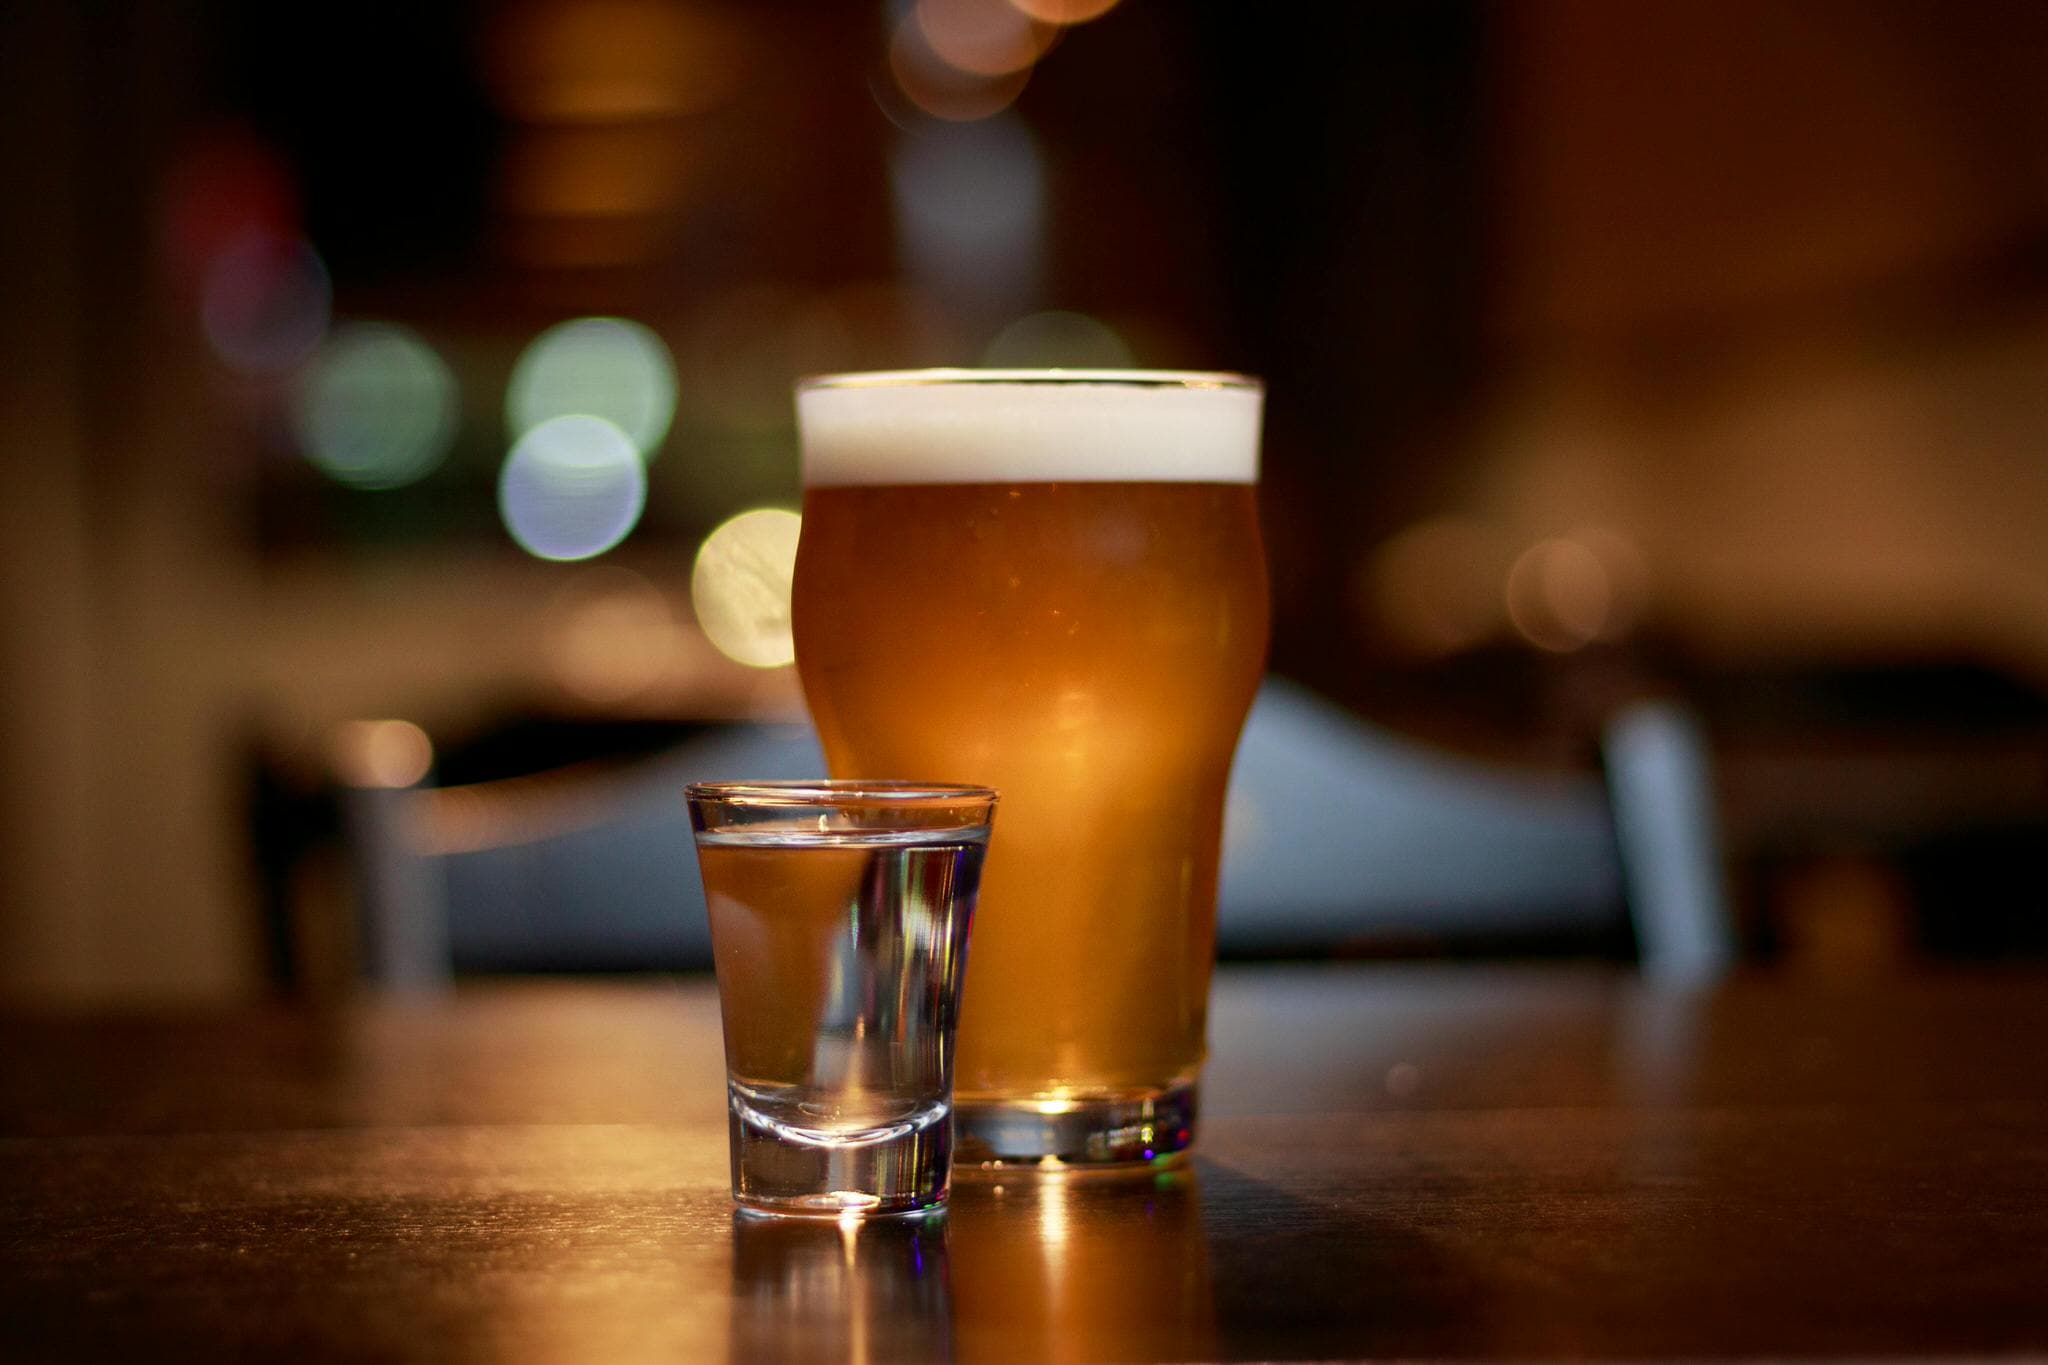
(980, 37)
(1064, 11)
(1559, 595)
(391, 754)
(942, 90)
(601, 61)
(1435, 587)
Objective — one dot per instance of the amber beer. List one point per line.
(1050, 583)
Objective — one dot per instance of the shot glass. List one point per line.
(839, 921)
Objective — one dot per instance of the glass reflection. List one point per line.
(1047, 1268)
(1081, 1268)
(807, 1289)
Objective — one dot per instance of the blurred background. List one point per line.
(376, 374)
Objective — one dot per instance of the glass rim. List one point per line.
(823, 791)
(962, 377)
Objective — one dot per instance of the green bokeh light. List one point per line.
(376, 407)
(611, 368)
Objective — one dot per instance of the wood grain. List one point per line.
(1419, 1162)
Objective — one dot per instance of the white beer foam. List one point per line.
(1000, 426)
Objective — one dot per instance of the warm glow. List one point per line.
(264, 302)
(1053, 1229)
(980, 37)
(570, 61)
(611, 635)
(611, 368)
(606, 172)
(572, 488)
(1434, 587)
(1064, 11)
(942, 90)
(382, 753)
(1058, 340)
(587, 242)
(376, 408)
(1628, 576)
(1559, 595)
(740, 587)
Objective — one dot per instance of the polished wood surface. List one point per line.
(1393, 1161)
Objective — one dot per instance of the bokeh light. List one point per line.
(1435, 586)
(377, 407)
(610, 173)
(1058, 340)
(1559, 595)
(611, 368)
(572, 488)
(264, 302)
(1064, 11)
(740, 586)
(980, 37)
(1628, 576)
(936, 87)
(970, 209)
(382, 753)
(224, 184)
(585, 61)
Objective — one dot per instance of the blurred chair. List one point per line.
(1339, 838)
(1660, 785)
(586, 868)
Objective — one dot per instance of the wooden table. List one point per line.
(1421, 1162)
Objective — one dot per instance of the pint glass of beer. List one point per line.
(1050, 583)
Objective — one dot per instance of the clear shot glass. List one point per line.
(840, 914)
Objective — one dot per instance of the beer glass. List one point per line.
(1050, 583)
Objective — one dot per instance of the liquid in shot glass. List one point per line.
(840, 914)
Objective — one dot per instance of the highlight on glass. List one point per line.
(840, 914)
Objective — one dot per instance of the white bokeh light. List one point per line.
(740, 586)
(572, 488)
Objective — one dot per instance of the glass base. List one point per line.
(784, 1172)
(839, 1207)
(1125, 1132)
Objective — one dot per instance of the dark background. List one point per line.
(1693, 349)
